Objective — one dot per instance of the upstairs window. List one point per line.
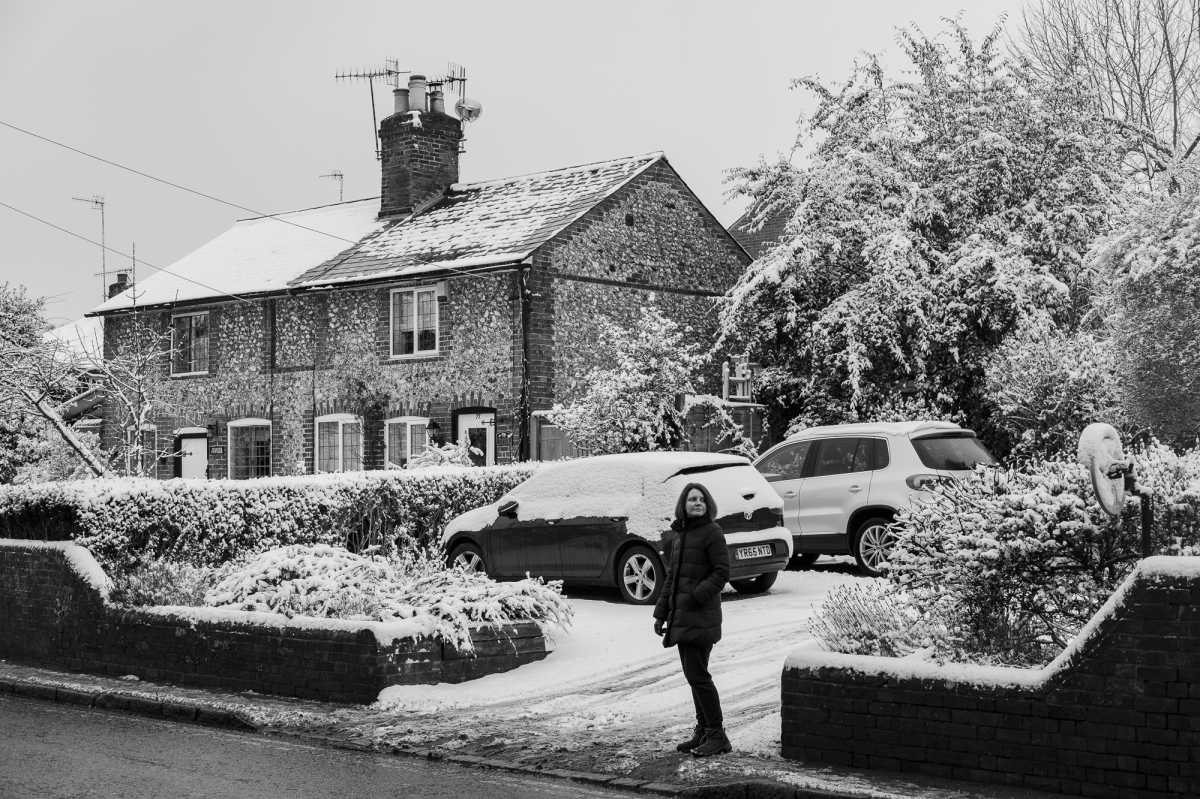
(338, 443)
(414, 322)
(404, 437)
(189, 344)
(249, 448)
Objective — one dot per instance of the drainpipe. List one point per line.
(523, 452)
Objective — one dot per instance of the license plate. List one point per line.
(759, 551)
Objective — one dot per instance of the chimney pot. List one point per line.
(400, 95)
(437, 103)
(416, 93)
(122, 283)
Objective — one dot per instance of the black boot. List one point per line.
(693, 742)
(715, 743)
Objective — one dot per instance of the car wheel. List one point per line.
(872, 545)
(755, 585)
(468, 557)
(803, 560)
(639, 576)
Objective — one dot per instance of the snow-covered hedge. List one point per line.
(1006, 567)
(208, 522)
(330, 582)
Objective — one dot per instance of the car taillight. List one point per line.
(920, 482)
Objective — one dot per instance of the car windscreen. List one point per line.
(707, 467)
(952, 451)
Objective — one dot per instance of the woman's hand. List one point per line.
(658, 627)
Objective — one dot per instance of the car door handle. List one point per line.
(854, 489)
(789, 493)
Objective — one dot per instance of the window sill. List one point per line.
(419, 356)
(190, 374)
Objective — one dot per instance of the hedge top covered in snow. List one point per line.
(916, 667)
(641, 487)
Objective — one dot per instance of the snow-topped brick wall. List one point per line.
(1117, 715)
(55, 614)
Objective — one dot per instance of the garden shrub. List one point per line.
(1012, 564)
(868, 618)
(156, 581)
(326, 581)
(210, 522)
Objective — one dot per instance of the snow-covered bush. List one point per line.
(209, 522)
(449, 454)
(156, 581)
(327, 581)
(1047, 384)
(1006, 567)
(870, 618)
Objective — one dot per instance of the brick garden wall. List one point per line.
(1117, 715)
(55, 617)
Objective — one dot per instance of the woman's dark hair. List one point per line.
(710, 505)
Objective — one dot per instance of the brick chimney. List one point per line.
(419, 149)
(122, 283)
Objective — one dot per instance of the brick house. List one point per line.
(346, 336)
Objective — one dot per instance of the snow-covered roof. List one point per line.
(83, 338)
(255, 255)
(480, 224)
(475, 225)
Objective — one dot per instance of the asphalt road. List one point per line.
(53, 751)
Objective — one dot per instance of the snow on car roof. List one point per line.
(640, 487)
(888, 428)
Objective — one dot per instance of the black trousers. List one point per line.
(694, 659)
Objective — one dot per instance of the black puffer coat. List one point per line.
(697, 562)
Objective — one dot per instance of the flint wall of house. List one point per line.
(291, 359)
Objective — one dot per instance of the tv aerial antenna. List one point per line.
(390, 72)
(340, 178)
(454, 79)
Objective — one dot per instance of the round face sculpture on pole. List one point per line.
(1101, 454)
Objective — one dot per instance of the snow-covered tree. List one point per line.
(1048, 383)
(931, 214)
(1155, 277)
(631, 403)
(35, 375)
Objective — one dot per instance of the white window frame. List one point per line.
(437, 334)
(250, 421)
(208, 347)
(342, 419)
(408, 422)
(153, 449)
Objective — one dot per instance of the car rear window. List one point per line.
(952, 451)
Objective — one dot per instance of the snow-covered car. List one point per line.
(601, 520)
(842, 484)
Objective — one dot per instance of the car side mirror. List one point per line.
(508, 509)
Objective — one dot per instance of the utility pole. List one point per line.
(339, 177)
(97, 202)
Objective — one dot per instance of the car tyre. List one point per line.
(755, 585)
(802, 560)
(468, 556)
(640, 575)
(872, 545)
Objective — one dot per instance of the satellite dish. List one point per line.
(468, 109)
(1099, 451)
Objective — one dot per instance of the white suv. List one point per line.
(842, 484)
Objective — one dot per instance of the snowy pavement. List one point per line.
(609, 698)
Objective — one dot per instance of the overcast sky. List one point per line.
(238, 100)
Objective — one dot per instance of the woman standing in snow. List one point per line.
(688, 612)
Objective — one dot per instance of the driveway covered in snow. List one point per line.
(610, 697)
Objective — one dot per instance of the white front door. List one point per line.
(193, 456)
(478, 430)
